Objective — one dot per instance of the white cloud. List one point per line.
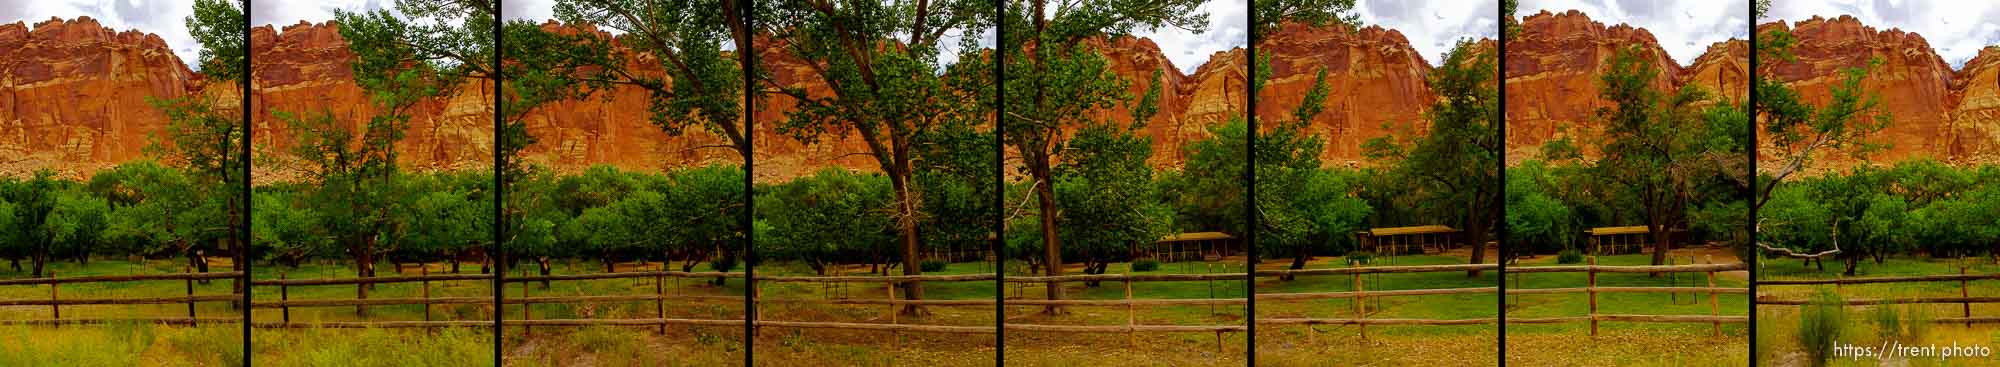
(1956, 29)
(532, 10)
(1433, 26)
(166, 18)
(1684, 28)
(1228, 28)
(281, 13)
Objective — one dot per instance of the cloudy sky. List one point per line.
(1957, 29)
(1228, 27)
(1433, 26)
(1683, 28)
(281, 13)
(166, 18)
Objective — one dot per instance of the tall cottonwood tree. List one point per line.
(1456, 162)
(423, 50)
(205, 138)
(1059, 80)
(1655, 145)
(881, 62)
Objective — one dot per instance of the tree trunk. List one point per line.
(1851, 261)
(544, 262)
(1475, 234)
(1661, 244)
(1045, 200)
(907, 233)
(38, 260)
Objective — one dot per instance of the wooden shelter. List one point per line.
(1620, 240)
(1176, 246)
(1398, 240)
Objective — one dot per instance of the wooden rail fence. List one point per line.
(1360, 294)
(285, 303)
(1964, 299)
(55, 300)
(1714, 318)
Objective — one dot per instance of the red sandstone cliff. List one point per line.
(73, 95)
(1552, 71)
(1937, 112)
(304, 70)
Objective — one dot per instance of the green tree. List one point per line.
(207, 137)
(1455, 164)
(1062, 80)
(76, 224)
(823, 218)
(880, 61)
(1652, 144)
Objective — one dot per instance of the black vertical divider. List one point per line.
(1750, 196)
(749, 187)
(244, 221)
(1250, 206)
(499, 195)
(999, 184)
(1500, 259)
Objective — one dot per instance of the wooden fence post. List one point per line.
(426, 273)
(1131, 331)
(1714, 303)
(660, 298)
(54, 308)
(1964, 293)
(190, 293)
(525, 306)
(284, 297)
(1360, 308)
(1592, 271)
(361, 292)
(895, 336)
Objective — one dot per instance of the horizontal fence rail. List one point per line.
(1965, 300)
(55, 300)
(285, 303)
(1715, 318)
(1360, 295)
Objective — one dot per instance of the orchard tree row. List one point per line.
(1869, 213)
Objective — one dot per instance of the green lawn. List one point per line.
(1626, 343)
(369, 347)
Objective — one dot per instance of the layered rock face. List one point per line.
(1375, 79)
(303, 71)
(73, 95)
(1936, 112)
(1553, 68)
(613, 127)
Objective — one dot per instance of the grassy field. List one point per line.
(370, 347)
(1627, 343)
(1778, 327)
(118, 344)
(1392, 345)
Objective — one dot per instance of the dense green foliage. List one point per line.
(1912, 207)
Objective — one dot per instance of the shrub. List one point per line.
(1820, 323)
(1888, 323)
(1360, 257)
(1919, 324)
(1145, 265)
(1569, 256)
(932, 266)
